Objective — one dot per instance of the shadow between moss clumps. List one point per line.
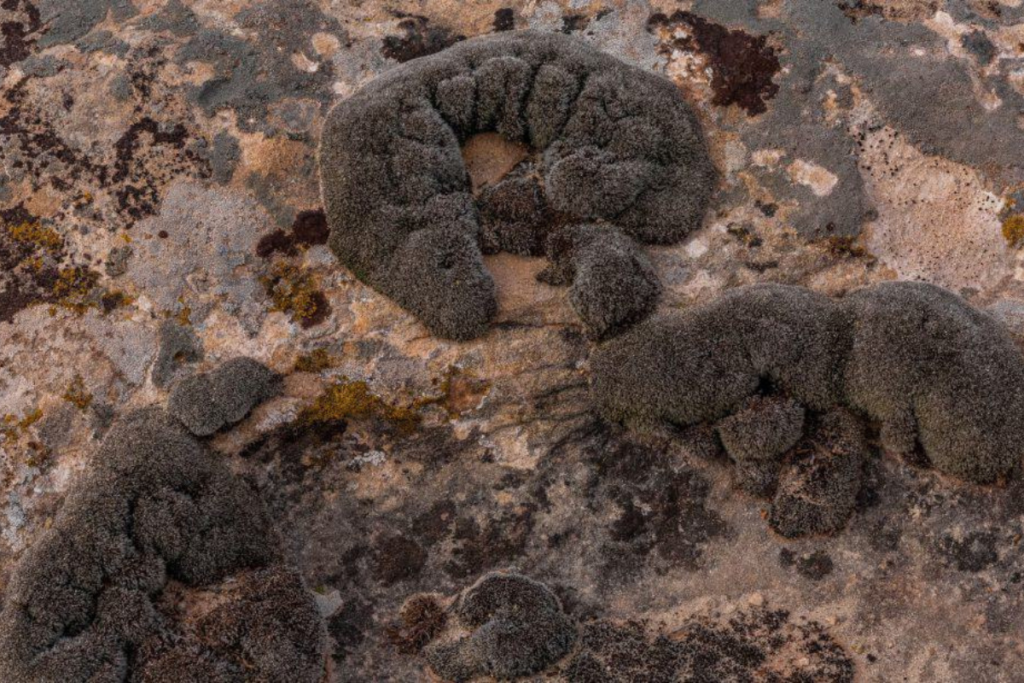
(618, 147)
(787, 377)
(99, 596)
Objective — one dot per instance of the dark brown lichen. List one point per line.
(743, 66)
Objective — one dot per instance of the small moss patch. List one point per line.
(316, 360)
(421, 620)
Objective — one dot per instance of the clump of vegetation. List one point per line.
(156, 509)
(516, 628)
(208, 402)
(421, 619)
(417, 233)
(943, 381)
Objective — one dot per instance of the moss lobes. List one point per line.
(617, 144)
(517, 628)
(613, 283)
(208, 402)
(935, 373)
(155, 507)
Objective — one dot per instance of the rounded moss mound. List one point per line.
(703, 364)
(516, 629)
(818, 493)
(937, 375)
(209, 402)
(156, 510)
(616, 144)
(613, 284)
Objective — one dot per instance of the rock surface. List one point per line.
(160, 214)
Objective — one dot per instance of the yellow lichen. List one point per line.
(353, 400)
(77, 395)
(316, 360)
(74, 286)
(37, 234)
(1013, 230)
(844, 246)
(296, 293)
(11, 426)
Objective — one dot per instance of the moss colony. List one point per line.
(507, 626)
(777, 370)
(108, 593)
(206, 403)
(618, 148)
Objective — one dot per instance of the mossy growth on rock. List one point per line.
(939, 375)
(613, 285)
(703, 364)
(615, 145)
(156, 512)
(206, 403)
(516, 628)
(941, 380)
(818, 492)
(751, 644)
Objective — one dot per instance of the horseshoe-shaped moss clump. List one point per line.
(617, 145)
(156, 512)
(938, 376)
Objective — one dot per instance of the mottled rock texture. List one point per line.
(160, 214)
